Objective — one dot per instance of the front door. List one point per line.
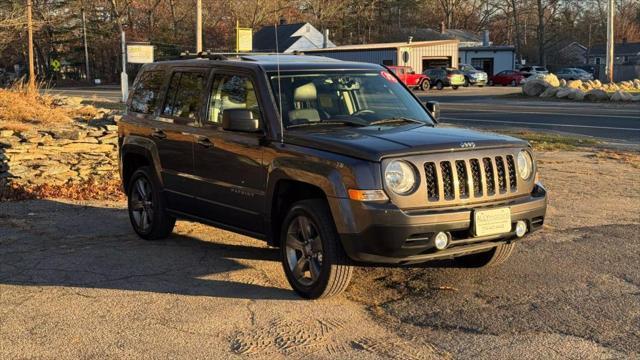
(174, 136)
(229, 164)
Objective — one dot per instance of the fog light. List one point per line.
(441, 241)
(521, 228)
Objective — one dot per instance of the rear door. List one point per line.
(174, 134)
(228, 163)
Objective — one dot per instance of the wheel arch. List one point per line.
(134, 153)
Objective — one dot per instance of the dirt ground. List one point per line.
(75, 282)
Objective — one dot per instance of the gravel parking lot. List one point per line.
(75, 282)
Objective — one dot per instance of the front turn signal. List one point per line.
(367, 195)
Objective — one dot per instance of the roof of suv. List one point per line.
(273, 62)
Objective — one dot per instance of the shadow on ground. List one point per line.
(48, 243)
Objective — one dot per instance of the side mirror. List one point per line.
(434, 109)
(239, 120)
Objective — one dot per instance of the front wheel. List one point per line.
(491, 83)
(425, 85)
(466, 82)
(439, 85)
(146, 205)
(493, 257)
(314, 261)
(513, 83)
(455, 87)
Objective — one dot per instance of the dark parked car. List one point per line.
(574, 74)
(507, 77)
(444, 77)
(473, 76)
(336, 163)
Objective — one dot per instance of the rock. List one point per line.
(563, 82)
(110, 127)
(68, 134)
(535, 87)
(574, 84)
(597, 83)
(552, 80)
(576, 95)
(550, 92)
(563, 93)
(597, 95)
(6, 133)
(621, 96)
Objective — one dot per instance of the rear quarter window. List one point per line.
(146, 92)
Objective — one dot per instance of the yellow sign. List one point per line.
(55, 65)
(139, 54)
(244, 39)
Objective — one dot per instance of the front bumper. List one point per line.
(382, 233)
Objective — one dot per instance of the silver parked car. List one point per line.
(574, 74)
(473, 76)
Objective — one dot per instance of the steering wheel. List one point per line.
(363, 112)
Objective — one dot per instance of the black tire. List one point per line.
(455, 87)
(480, 86)
(425, 85)
(493, 257)
(159, 223)
(466, 82)
(335, 267)
(439, 85)
(491, 83)
(513, 83)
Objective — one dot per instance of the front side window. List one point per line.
(232, 92)
(184, 97)
(146, 92)
(344, 98)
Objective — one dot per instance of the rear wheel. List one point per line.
(491, 83)
(425, 85)
(466, 82)
(513, 83)
(146, 205)
(314, 261)
(439, 85)
(493, 257)
(455, 87)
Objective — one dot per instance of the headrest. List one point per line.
(305, 92)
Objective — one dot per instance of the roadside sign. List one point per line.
(244, 39)
(139, 54)
(55, 65)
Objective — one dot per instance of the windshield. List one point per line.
(345, 99)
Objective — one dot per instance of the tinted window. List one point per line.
(232, 92)
(184, 95)
(146, 92)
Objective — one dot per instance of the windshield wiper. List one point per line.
(396, 120)
(330, 122)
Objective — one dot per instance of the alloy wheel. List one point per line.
(304, 250)
(142, 204)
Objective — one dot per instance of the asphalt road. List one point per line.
(499, 108)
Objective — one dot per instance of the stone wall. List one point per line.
(78, 153)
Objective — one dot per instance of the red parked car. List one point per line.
(507, 77)
(410, 78)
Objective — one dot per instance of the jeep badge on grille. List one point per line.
(468, 145)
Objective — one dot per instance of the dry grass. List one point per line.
(551, 141)
(22, 111)
(89, 190)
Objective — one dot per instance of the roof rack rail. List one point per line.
(227, 55)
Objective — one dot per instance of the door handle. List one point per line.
(159, 134)
(204, 141)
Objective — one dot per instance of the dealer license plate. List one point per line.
(492, 222)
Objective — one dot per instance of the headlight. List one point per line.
(525, 165)
(400, 177)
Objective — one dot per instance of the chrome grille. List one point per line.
(470, 178)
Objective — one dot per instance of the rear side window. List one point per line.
(146, 92)
(184, 98)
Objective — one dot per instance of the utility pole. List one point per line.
(86, 47)
(32, 73)
(124, 78)
(199, 26)
(610, 41)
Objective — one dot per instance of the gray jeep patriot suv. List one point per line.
(336, 163)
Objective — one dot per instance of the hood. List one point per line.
(375, 143)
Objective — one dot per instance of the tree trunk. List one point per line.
(541, 34)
